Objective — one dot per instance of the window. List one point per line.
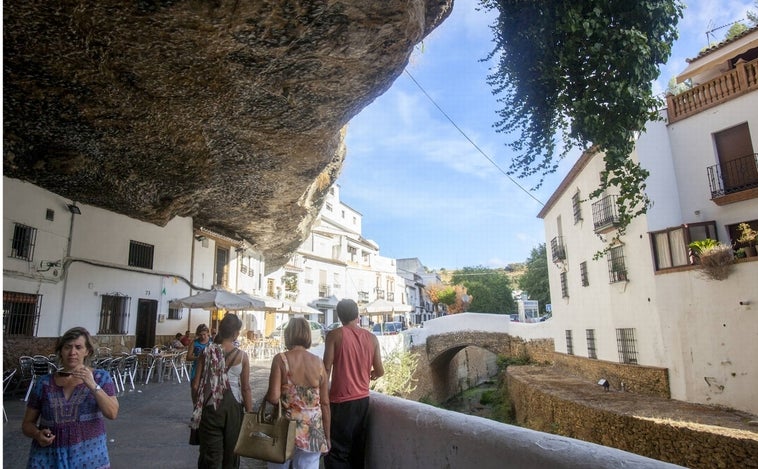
(569, 342)
(343, 214)
(627, 346)
(141, 255)
(270, 287)
(735, 233)
(671, 246)
(290, 282)
(557, 249)
(591, 352)
(617, 265)
(583, 273)
(174, 313)
(246, 266)
(564, 286)
(20, 313)
(576, 202)
(328, 207)
(308, 277)
(50, 215)
(336, 282)
(366, 257)
(353, 251)
(605, 213)
(22, 246)
(221, 267)
(114, 314)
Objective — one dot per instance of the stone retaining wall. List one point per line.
(647, 380)
(543, 411)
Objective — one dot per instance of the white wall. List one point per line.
(98, 260)
(693, 149)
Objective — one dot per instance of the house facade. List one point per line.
(67, 264)
(647, 302)
(335, 261)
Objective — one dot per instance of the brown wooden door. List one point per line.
(147, 315)
(735, 152)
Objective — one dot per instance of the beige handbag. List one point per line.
(271, 440)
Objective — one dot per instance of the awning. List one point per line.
(719, 57)
(382, 306)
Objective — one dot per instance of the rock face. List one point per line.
(231, 112)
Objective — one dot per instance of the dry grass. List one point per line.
(716, 262)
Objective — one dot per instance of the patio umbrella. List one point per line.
(382, 306)
(218, 299)
(297, 308)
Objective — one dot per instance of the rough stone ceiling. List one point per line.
(231, 112)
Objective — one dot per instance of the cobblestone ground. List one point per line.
(151, 429)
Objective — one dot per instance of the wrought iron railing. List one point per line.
(605, 213)
(733, 176)
(557, 249)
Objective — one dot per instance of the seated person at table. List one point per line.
(177, 342)
(185, 340)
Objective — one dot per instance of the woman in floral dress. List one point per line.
(64, 415)
(299, 379)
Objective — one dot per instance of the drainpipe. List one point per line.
(74, 211)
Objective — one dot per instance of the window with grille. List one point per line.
(141, 254)
(627, 346)
(591, 351)
(114, 314)
(617, 265)
(569, 342)
(564, 285)
(583, 273)
(20, 313)
(576, 204)
(671, 246)
(174, 313)
(22, 245)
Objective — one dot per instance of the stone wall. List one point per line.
(638, 379)
(541, 410)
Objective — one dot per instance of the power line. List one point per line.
(526, 191)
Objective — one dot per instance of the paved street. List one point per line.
(150, 431)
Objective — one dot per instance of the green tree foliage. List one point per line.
(582, 71)
(752, 15)
(398, 380)
(535, 281)
(735, 30)
(490, 289)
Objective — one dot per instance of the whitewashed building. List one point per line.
(67, 264)
(335, 261)
(644, 302)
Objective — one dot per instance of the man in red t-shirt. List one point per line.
(352, 357)
(185, 340)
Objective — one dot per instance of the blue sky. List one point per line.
(424, 190)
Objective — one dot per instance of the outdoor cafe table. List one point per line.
(160, 360)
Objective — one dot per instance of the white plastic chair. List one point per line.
(7, 378)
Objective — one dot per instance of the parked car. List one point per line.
(398, 326)
(331, 327)
(514, 318)
(317, 332)
(384, 328)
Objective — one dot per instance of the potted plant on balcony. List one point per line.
(714, 259)
(748, 237)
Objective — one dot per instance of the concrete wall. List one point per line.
(406, 434)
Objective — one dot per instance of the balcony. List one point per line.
(734, 181)
(557, 249)
(390, 296)
(379, 293)
(605, 214)
(324, 290)
(742, 79)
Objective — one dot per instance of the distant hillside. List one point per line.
(514, 271)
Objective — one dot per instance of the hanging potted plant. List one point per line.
(748, 237)
(714, 259)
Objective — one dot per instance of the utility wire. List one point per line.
(526, 191)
